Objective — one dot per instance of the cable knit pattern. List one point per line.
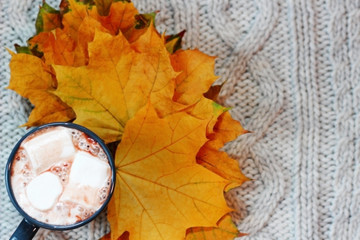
(292, 74)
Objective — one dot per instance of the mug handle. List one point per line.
(25, 231)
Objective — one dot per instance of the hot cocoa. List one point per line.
(60, 176)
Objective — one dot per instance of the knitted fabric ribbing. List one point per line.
(292, 72)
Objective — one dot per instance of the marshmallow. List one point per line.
(48, 148)
(43, 191)
(88, 170)
(87, 175)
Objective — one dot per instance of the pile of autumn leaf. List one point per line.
(104, 66)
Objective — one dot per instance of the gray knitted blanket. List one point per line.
(292, 72)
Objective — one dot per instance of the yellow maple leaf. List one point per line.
(206, 109)
(115, 84)
(160, 190)
(75, 15)
(221, 129)
(226, 230)
(210, 156)
(197, 75)
(152, 45)
(86, 33)
(32, 79)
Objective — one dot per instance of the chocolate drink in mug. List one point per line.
(60, 176)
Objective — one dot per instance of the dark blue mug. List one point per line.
(29, 226)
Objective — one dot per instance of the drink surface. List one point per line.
(60, 176)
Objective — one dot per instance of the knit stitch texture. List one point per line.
(292, 72)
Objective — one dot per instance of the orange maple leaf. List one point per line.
(121, 17)
(60, 48)
(57, 46)
(160, 190)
